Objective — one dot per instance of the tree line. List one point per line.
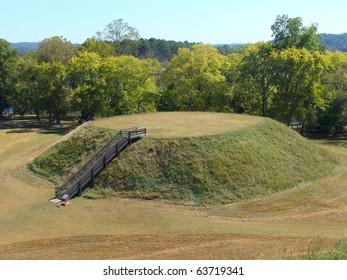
(291, 79)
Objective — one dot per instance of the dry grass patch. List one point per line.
(181, 124)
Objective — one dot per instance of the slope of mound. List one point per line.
(260, 159)
(192, 158)
(65, 157)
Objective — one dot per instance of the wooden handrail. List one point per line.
(98, 161)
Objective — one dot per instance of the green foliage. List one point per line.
(114, 85)
(196, 79)
(33, 84)
(55, 49)
(87, 82)
(339, 252)
(130, 84)
(297, 76)
(8, 73)
(333, 115)
(43, 87)
(58, 92)
(103, 49)
(291, 79)
(290, 32)
(159, 49)
(256, 79)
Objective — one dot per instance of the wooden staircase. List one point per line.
(75, 184)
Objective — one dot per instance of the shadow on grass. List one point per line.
(326, 139)
(19, 130)
(42, 126)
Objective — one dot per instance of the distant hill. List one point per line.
(331, 41)
(335, 42)
(25, 46)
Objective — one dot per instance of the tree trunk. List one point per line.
(264, 106)
(57, 120)
(51, 118)
(302, 129)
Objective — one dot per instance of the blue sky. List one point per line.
(207, 21)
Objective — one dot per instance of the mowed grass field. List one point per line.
(286, 224)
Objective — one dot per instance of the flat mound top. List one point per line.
(181, 124)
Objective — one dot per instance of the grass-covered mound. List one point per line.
(66, 156)
(259, 157)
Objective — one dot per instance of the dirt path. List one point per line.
(284, 224)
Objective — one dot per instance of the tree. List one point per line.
(196, 79)
(298, 91)
(256, 81)
(8, 74)
(104, 49)
(290, 32)
(42, 87)
(25, 92)
(56, 98)
(333, 115)
(87, 82)
(34, 84)
(118, 30)
(127, 47)
(55, 49)
(130, 84)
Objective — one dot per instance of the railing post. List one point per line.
(129, 138)
(79, 188)
(117, 149)
(92, 176)
(105, 161)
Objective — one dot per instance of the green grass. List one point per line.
(258, 158)
(66, 156)
(338, 252)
